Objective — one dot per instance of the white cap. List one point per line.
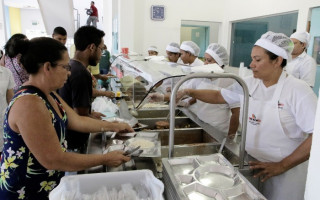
(153, 48)
(173, 47)
(302, 36)
(191, 47)
(277, 43)
(218, 53)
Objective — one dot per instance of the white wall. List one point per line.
(30, 16)
(246, 9)
(2, 27)
(138, 31)
(81, 5)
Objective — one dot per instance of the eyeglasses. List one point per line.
(67, 67)
(101, 48)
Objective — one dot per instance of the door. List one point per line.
(197, 34)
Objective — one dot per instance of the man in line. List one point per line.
(60, 34)
(302, 65)
(93, 17)
(77, 91)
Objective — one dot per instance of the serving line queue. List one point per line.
(276, 98)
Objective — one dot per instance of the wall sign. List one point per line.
(157, 13)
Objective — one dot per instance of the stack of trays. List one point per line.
(205, 177)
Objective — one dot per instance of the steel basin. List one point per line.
(180, 122)
(155, 113)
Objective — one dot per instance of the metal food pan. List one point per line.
(148, 134)
(156, 113)
(185, 179)
(217, 159)
(197, 191)
(183, 165)
(216, 176)
(180, 122)
(241, 192)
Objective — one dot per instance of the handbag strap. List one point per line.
(14, 67)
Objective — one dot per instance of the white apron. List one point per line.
(267, 142)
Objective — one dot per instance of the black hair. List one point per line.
(92, 2)
(60, 31)
(12, 42)
(87, 35)
(38, 51)
(273, 56)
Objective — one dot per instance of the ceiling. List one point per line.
(28, 4)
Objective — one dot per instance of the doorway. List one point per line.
(200, 32)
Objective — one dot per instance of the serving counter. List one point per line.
(192, 138)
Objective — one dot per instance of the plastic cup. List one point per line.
(125, 50)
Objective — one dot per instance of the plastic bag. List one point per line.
(104, 104)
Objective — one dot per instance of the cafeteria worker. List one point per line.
(280, 118)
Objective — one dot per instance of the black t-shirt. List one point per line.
(77, 92)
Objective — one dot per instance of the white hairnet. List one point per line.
(218, 53)
(302, 36)
(173, 47)
(191, 47)
(153, 48)
(277, 43)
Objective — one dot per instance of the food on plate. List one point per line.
(143, 143)
(162, 125)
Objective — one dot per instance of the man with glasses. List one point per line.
(77, 91)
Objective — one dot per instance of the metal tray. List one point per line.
(206, 177)
(154, 151)
(148, 134)
(199, 192)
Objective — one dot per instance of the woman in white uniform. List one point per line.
(280, 118)
(173, 52)
(224, 117)
(302, 66)
(189, 54)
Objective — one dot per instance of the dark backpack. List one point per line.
(89, 11)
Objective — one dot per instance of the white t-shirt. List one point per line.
(197, 62)
(303, 67)
(297, 103)
(6, 82)
(217, 115)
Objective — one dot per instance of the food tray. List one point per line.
(148, 134)
(206, 177)
(153, 151)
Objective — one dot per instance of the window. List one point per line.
(245, 33)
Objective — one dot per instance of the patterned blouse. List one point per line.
(20, 75)
(21, 175)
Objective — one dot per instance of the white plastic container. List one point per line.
(91, 183)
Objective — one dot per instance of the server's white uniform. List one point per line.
(197, 62)
(217, 115)
(279, 118)
(303, 67)
(167, 82)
